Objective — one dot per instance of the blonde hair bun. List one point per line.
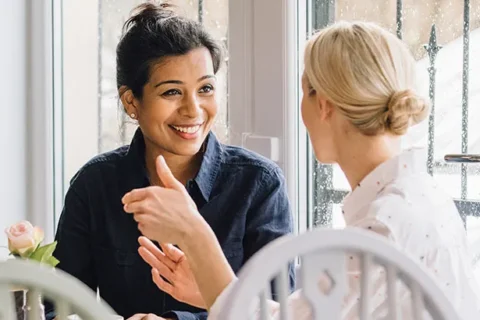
(368, 74)
(404, 109)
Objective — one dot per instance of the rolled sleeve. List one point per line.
(184, 315)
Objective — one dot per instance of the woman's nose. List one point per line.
(191, 108)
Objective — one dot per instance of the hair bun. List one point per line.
(404, 109)
(147, 13)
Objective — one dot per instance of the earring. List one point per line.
(132, 115)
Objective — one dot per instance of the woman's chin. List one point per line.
(187, 149)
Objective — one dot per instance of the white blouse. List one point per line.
(399, 200)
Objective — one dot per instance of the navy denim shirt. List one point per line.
(239, 193)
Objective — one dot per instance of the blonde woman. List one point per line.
(358, 100)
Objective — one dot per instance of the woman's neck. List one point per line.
(363, 154)
(183, 168)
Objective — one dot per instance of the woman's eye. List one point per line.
(311, 91)
(171, 92)
(206, 89)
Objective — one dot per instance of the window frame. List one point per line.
(264, 88)
(40, 122)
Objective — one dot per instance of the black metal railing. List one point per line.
(200, 11)
(324, 195)
(466, 63)
(432, 49)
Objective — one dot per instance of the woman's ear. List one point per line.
(129, 101)
(324, 108)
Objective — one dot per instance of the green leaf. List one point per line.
(43, 253)
(52, 261)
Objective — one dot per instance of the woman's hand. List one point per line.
(165, 214)
(172, 265)
(169, 215)
(143, 316)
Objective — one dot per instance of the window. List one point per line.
(434, 31)
(265, 57)
(93, 119)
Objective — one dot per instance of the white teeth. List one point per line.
(187, 129)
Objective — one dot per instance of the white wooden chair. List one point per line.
(69, 295)
(326, 250)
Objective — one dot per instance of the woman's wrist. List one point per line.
(195, 228)
(210, 267)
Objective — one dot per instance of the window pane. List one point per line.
(448, 19)
(381, 12)
(449, 129)
(448, 132)
(215, 19)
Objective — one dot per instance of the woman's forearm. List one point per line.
(207, 261)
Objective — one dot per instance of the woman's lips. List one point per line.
(187, 132)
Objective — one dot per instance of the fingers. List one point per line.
(138, 316)
(143, 316)
(166, 176)
(172, 252)
(148, 245)
(161, 284)
(135, 207)
(136, 195)
(155, 262)
(162, 268)
(145, 205)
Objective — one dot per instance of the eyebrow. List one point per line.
(208, 76)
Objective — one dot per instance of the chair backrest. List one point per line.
(325, 251)
(69, 295)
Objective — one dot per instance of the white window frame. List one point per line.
(47, 124)
(263, 88)
(39, 123)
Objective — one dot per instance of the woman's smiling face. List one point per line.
(179, 104)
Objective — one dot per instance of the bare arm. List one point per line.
(207, 262)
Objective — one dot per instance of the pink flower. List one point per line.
(23, 238)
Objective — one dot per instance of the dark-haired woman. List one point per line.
(166, 68)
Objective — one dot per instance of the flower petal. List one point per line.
(38, 235)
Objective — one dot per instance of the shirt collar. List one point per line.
(205, 179)
(210, 166)
(409, 162)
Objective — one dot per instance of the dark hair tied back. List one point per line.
(148, 14)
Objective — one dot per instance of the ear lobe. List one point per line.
(128, 100)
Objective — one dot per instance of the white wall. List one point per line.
(13, 85)
(26, 115)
